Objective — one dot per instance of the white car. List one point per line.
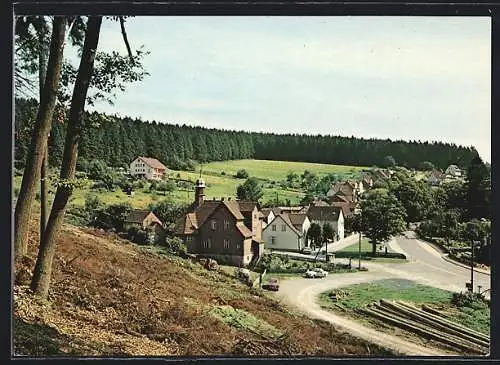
(320, 273)
(310, 274)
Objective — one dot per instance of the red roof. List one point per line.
(153, 162)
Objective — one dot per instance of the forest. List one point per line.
(118, 140)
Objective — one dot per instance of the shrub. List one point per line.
(223, 173)
(241, 174)
(176, 245)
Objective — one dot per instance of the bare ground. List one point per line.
(109, 297)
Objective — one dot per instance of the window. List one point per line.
(238, 245)
(226, 225)
(189, 239)
(274, 227)
(273, 240)
(226, 243)
(214, 224)
(207, 243)
(283, 227)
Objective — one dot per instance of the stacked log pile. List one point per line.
(428, 325)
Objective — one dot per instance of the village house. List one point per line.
(226, 230)
(348, 209)
(453, 171)
(332, 215)
(267, 215)
(287, 232)
(436, 178)
(149, 168)
(348, 190)
(144, 219)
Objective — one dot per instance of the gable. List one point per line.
(282, 219)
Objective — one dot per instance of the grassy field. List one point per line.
(218, 184)
(366, 251)
(276, 170)
(476, 317)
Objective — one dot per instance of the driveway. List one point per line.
(426, 266)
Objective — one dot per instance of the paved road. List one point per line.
(426, 266)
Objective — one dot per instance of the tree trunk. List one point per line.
(374, 248)
(44, 203)
(43, 123)
(43, 268)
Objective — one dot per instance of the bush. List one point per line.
(241, 174)
(139, 236)
(176, 246)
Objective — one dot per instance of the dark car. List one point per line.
(272, 285)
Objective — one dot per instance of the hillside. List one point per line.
(220, 180)
(111, 297)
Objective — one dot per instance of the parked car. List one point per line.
(307, 250)
(272, 285)
(315, 273)
(320, 273)
(310, 274)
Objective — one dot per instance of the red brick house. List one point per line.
(226, 230)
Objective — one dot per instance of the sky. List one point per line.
(410, 78)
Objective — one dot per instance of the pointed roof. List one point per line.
(347, 208)
(138, 216)
(330, 213)
(247, 206)
(266, 211)
(286, 219)
(153, 162)
(244, 230)
(297, 219)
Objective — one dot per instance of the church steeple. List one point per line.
(199, 194)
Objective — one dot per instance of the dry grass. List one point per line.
(111, 297)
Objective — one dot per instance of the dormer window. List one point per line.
(214, 224)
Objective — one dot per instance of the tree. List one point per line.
(97, 169)
(477, 190)
(168, 212)
(327, 232)
(242, 174)
(43, 268)
(426, 166)
(389, 161)
(41, 130)
(314, 234)
(250, 190)
(166, 186)
(382, 217)
(416, 198)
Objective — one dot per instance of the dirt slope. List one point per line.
(110, 297)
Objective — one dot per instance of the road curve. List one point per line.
(426, 266)
(303, 294)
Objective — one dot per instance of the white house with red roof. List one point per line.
(147, 167)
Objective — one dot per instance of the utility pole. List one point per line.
(359, 249)
(472, 267)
